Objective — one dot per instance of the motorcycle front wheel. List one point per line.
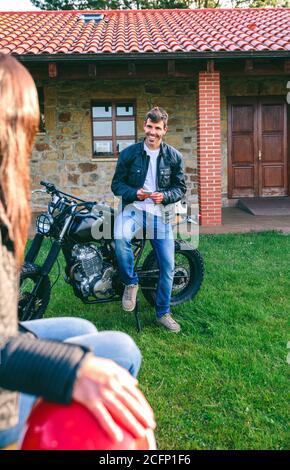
(188, 274)
(29, 277)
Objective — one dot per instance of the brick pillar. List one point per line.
(209, 148)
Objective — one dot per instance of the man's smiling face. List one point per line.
(154, 132)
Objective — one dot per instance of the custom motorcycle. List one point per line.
(83, 232)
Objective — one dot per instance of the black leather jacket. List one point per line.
(131, 171)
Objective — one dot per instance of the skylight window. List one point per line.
(97, 17)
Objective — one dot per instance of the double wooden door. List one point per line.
(257, 147)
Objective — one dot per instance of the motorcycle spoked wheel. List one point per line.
(29, 276)
(188, 276)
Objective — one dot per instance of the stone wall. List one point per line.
(63, 155)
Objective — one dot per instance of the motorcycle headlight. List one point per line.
(44, 223)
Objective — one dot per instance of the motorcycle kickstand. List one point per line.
(137, 316)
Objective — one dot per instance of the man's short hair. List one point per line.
(157, 114)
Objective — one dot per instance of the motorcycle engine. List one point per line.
(89, 273)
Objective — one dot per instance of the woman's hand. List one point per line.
(112, 396)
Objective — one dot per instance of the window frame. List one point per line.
(41, 103)
(113, 119)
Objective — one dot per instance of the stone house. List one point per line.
(222, 75)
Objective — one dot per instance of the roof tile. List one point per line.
(139, 31)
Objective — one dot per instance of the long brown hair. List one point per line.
(19, 121)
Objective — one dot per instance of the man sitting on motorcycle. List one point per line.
(149, 178)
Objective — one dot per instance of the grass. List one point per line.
(220, 383)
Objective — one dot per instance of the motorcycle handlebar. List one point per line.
(50, 187)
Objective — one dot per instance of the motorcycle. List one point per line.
(83, 232)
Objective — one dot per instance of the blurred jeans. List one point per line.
(117, 346)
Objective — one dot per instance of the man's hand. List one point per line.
(112, 396)
(157, 198)
(141, 195)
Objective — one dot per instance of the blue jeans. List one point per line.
(133, 222)
(108, 344)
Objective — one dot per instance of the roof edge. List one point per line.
(143, 56)
(147, 10)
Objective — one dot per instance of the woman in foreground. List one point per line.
(59, 359)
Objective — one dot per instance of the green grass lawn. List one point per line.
(221, 382)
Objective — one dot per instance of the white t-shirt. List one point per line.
(150, 184)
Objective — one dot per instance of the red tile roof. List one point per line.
(146, 31)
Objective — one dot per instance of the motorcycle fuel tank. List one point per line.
(93, 225)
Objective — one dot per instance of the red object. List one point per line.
(52, 426)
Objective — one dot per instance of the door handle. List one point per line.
(260, 155)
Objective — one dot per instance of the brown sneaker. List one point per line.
(129, 297)
(168, 322)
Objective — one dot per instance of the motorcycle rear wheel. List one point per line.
(29, 276)
(188, 275)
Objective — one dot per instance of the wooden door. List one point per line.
(272, 153)
(257, 147)
(243, 147)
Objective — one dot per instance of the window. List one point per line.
(113, 126)
(41, 107)
(97, 17)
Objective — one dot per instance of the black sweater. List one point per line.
(40, 367)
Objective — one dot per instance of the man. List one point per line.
(149, 176)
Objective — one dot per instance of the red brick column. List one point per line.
(209, 148)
